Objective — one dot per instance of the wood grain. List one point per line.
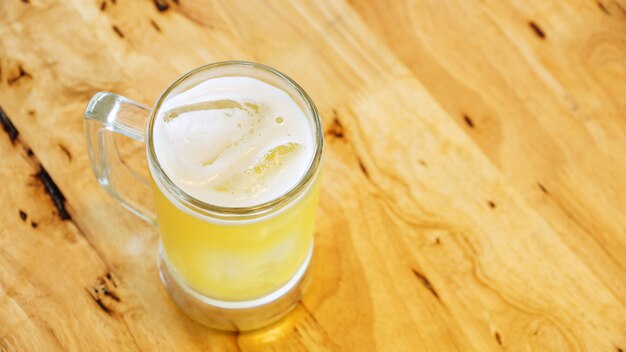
(473, 187)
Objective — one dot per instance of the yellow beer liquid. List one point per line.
(235, 261)
(235, 142)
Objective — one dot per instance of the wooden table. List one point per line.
(474, 192)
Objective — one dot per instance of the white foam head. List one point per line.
(233, 141)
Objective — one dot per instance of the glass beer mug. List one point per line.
(227, 265)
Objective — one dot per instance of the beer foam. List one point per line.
(233, 141)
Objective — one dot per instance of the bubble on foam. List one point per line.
(233, 141)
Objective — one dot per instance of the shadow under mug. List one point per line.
(231, 268)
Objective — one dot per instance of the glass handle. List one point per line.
(109, 113)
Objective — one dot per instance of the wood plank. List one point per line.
(539, 86)
(52, 282)
(424, 241)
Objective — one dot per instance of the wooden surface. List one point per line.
(474, 188)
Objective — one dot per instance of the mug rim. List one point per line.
(198, 206)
